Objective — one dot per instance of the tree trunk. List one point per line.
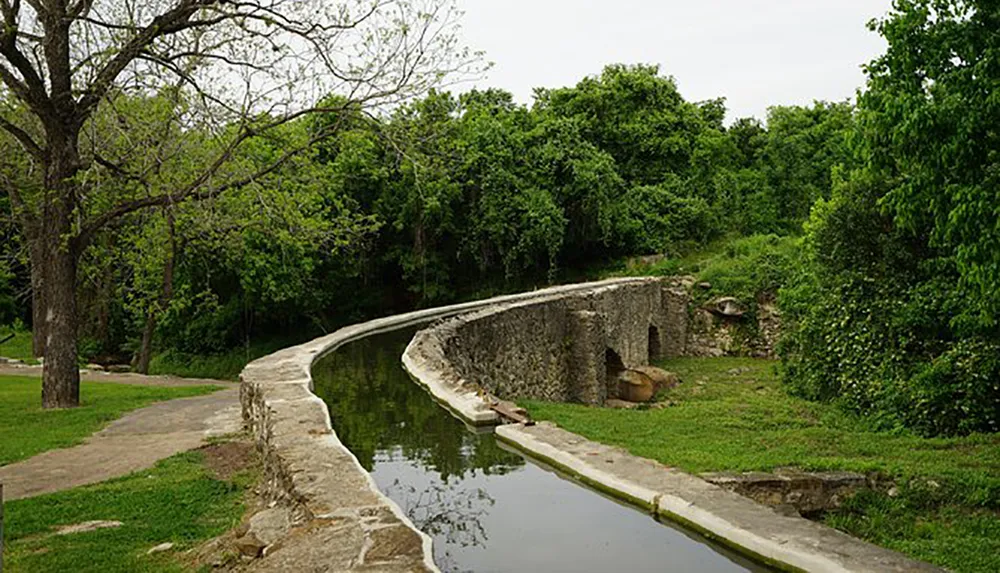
(38, 331)
(146, 347)
(61, 374)
(61, 252)
(145, 355)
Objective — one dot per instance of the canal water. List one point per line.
(488, 508)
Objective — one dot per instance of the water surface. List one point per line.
(488, 508)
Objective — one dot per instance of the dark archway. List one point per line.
(655, 351)
(613, 366)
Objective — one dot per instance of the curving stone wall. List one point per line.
(328, 514)
(553, 348)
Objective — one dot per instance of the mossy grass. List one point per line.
(731, 414)
(27, 429)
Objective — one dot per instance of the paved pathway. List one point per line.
(132, 443)
(126, 378)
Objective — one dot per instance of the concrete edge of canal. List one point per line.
(339, 519)
(757, 531)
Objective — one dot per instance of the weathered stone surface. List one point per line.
(662, 379)
(727, 306)
(548, 348)
(634, 386)
(807, 492)
(161, 548)
(586, 368)
(250, 546)
(389, 543)
(271, 525)
(87, 527)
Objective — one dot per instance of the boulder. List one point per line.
(634, 386)
(726, 306)
(250, 546)
(660, 377)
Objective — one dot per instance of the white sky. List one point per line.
(756, 53)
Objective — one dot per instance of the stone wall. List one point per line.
(567, 346)
(553, 348)
(699, 330)
(337, 519)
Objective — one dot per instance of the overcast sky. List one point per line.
(756, 53)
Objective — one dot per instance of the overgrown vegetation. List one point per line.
(733, 414)
(178, 501)
(888, 293)
(27, 429)
(894, 314)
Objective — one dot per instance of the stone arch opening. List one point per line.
(613, 366)
(655, 352)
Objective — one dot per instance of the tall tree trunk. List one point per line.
(145, 355)
(61, 374)
(61, 249)
(38, 330)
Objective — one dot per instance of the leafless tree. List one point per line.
(243, 67)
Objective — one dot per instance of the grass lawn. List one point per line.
(26, 429)
(19, 348)
(178, 501)
(222, 366)
(732, 414)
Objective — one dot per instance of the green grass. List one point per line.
(19, 348)
(732, 414)
(177, 501)
(27, 429)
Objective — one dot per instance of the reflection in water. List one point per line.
(485, 507)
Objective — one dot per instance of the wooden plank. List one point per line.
(512, 412)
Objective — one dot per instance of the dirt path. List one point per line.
(132, 443)
(133, 379)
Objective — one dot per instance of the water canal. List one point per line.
(487, 508)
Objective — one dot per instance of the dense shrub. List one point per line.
(871, 323)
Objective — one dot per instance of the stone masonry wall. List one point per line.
(554, 348)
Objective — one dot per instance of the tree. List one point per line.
(894, 314)
(636, 116)
(928, 123)
(243, 69)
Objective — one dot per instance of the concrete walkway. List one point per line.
(126, 378)
(132, 443)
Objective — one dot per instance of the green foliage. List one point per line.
(927, 126)
(29, 430)
(953, 536)
(177, 501)
(443, 199)
(8, 306)
(752, 268)
(733, 414)
(893, 312)
(220, 365)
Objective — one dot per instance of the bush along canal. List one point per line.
(486, 507)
